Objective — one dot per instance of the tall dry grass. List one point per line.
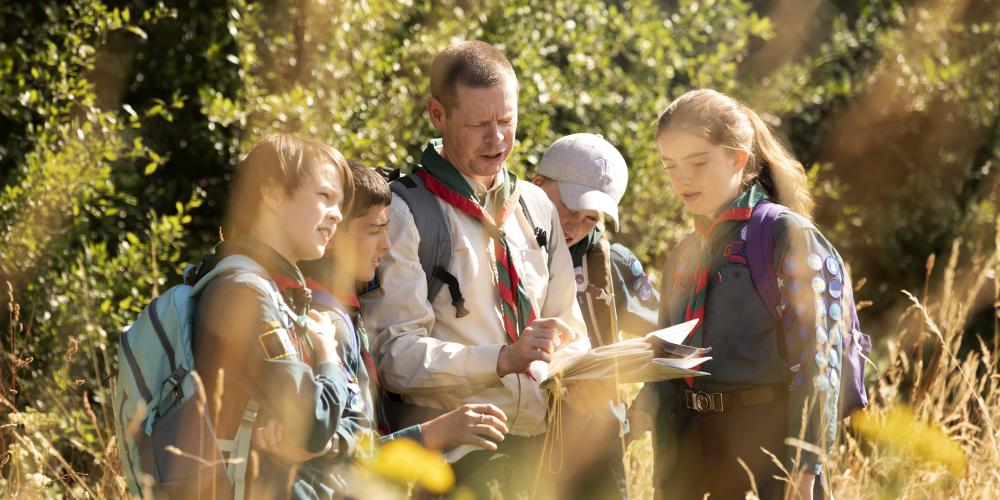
(930, 432)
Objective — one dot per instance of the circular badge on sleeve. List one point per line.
(814, 261)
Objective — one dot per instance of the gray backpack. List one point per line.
(435, 248)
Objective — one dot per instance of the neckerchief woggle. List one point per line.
(711, 235)
(444, 181)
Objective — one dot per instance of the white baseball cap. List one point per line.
(592, 174)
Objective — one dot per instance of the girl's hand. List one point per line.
(477, 424)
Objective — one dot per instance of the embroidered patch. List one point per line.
(833, 266)
(637, 284)
(836, 311)
(646, 292)
(821, 383)
(732, 248)
(814, 261)
(820, 308)
(836, 288)
(635, 267)
(821, 336)
(276, 341)
(821, 360)
(835, 334)
(818, 285)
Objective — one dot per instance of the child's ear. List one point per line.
(538, 181)
(740, 158)
(273, 195)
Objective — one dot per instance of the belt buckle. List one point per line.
(704, 402)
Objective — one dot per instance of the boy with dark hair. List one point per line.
(352, 259)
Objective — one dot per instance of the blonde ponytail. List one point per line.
(722, 120)
(776, 169)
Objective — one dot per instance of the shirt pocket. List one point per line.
(736, 319)
(534, 272)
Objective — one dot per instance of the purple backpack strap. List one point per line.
(760, 254)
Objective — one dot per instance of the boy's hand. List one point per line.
(477, 424)
(536, 343)
(321, 333)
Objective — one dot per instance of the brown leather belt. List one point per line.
(720, 402)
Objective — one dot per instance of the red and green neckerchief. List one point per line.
(321, 296)
(445, 181)
(711, 236)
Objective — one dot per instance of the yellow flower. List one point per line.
(406, 461)
(901, 430)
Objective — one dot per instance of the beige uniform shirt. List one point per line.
(434, 359)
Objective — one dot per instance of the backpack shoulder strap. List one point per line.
(435, 246)
(238, 449)
(760, 254)
(530, 207)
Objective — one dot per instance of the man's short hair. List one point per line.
(285, 160)
(370, 190)
(473, 64)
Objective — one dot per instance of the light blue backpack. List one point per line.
(166, 439)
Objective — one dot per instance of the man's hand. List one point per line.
(479, 424)
(536, 343)
(587, 396)
(801, 486)
(269, 439)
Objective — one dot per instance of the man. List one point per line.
(516, 305)
(585, 177)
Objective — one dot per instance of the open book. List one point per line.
(658, 356)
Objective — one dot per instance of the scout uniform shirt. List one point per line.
(243, 333)
(617, 274)
(331, 476)
(433, 358)
(362, 426)
(749, 349)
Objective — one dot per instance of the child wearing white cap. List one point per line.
(585, 178)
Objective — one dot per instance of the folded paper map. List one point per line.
(658, 356)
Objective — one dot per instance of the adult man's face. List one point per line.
(478, 131)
